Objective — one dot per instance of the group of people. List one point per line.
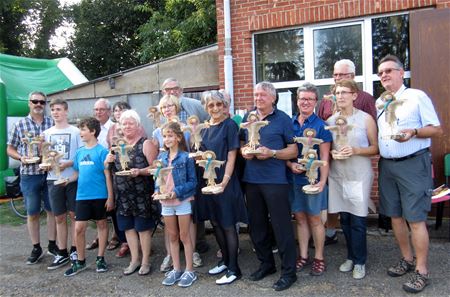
(263, 189)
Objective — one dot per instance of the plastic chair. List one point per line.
(441, 200)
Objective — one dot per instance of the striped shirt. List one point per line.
(417, 111)
(16, 135)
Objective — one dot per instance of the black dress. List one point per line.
(227, 208)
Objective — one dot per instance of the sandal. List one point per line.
(113, 244)
(132, 268)
(144, 270)
(318, 267)
(93, 245)
(124, 250)
(300, 263)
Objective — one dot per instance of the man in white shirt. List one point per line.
(405, 182)
(102, 111)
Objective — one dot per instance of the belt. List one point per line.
(418, 153)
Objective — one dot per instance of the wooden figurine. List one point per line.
(210, 164)
(155, 115)
(340, 131)
(253, 125)
(389, 105)
(195, 127)
(161, 173)
(30, 140)
(312, 164)
(122, 148)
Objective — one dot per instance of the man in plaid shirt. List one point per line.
(33, 180)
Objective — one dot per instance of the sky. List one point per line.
(65, 31)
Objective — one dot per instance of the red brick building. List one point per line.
(288, 42)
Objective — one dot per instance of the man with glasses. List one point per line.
(102, 111)
(404, 181)
(343, 69)
(33, 180)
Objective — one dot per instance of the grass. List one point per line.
(7, 216)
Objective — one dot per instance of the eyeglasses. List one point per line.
(100, 109)
(217, 104)
(387, 71)
(307, 99)
(343, 93)
(341, 74)
(172, 89)
(36, 102)
(167, 106)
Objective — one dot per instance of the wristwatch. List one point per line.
(274, 154)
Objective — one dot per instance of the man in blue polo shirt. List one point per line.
(267, 188)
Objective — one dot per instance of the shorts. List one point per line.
(406, 188)
(184, 208)
(94, 209)
(309, 204)
(62, 198)
(34, 190)
(139, 224)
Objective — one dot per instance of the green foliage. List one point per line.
(180, 26)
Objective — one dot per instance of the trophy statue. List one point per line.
(312, 166)
(253, 125)
(45, 149)
(308, 141)
(53, 158)
(122, 148)
(340, 133)
(161, 173)
(195, 127)
(389, 105)
(210, 164)
(30, 140)
(155, 115)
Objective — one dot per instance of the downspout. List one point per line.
(228, 57)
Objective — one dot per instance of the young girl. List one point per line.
(180, 184)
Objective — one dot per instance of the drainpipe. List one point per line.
(228, 57)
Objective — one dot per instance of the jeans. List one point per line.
(354, 228)
(34, 189)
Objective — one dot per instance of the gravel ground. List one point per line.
(19, 279)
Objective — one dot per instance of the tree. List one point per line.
(181, 25)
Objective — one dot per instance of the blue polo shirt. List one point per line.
(316, 123)
(276, 136)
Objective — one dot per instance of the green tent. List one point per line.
(18, 77)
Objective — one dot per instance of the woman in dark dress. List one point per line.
(226, 209)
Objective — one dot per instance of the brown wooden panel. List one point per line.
(430, 72)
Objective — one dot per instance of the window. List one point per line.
(288, 58)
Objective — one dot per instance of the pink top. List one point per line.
(169, 188)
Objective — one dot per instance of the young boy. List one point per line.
(65, 139)
(94, 194)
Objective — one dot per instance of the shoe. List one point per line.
(219, 268)
(359, 271)
(113, 244)
(58, 262)
(416, 283)
(187, 279)
(401, 268)
(132, 268)
(145, 269)
(73, 257)
(347, 266)
(196, 260)
(75, 269)
(262, 273)
(52, 250)
(300, 263)
(228, 278)
(93, 245)
(101, 264)
(274, 249)
(123, 251)
(219, 254)
(331, 240)
(318, 267)
(284, 283)
(166, 264)
(36, 255)
(172, 277)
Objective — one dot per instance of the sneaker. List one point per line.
(101, 264)
(73, 257)
(172, 277)
(196, 260)
(274, 249)
(187, 279)
(359, 271)
(52, 250)
(219, 268)
(401, 268)
(36, 255)
(75, 269)
(416, 283)
(228, 278)
(347, 266)
(166, 264)
(58, 262)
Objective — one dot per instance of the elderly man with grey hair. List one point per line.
(102, 111)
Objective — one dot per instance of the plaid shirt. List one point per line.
(16, 135)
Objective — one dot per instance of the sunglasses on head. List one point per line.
(36, 102)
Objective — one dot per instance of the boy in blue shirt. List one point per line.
(94, 194)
